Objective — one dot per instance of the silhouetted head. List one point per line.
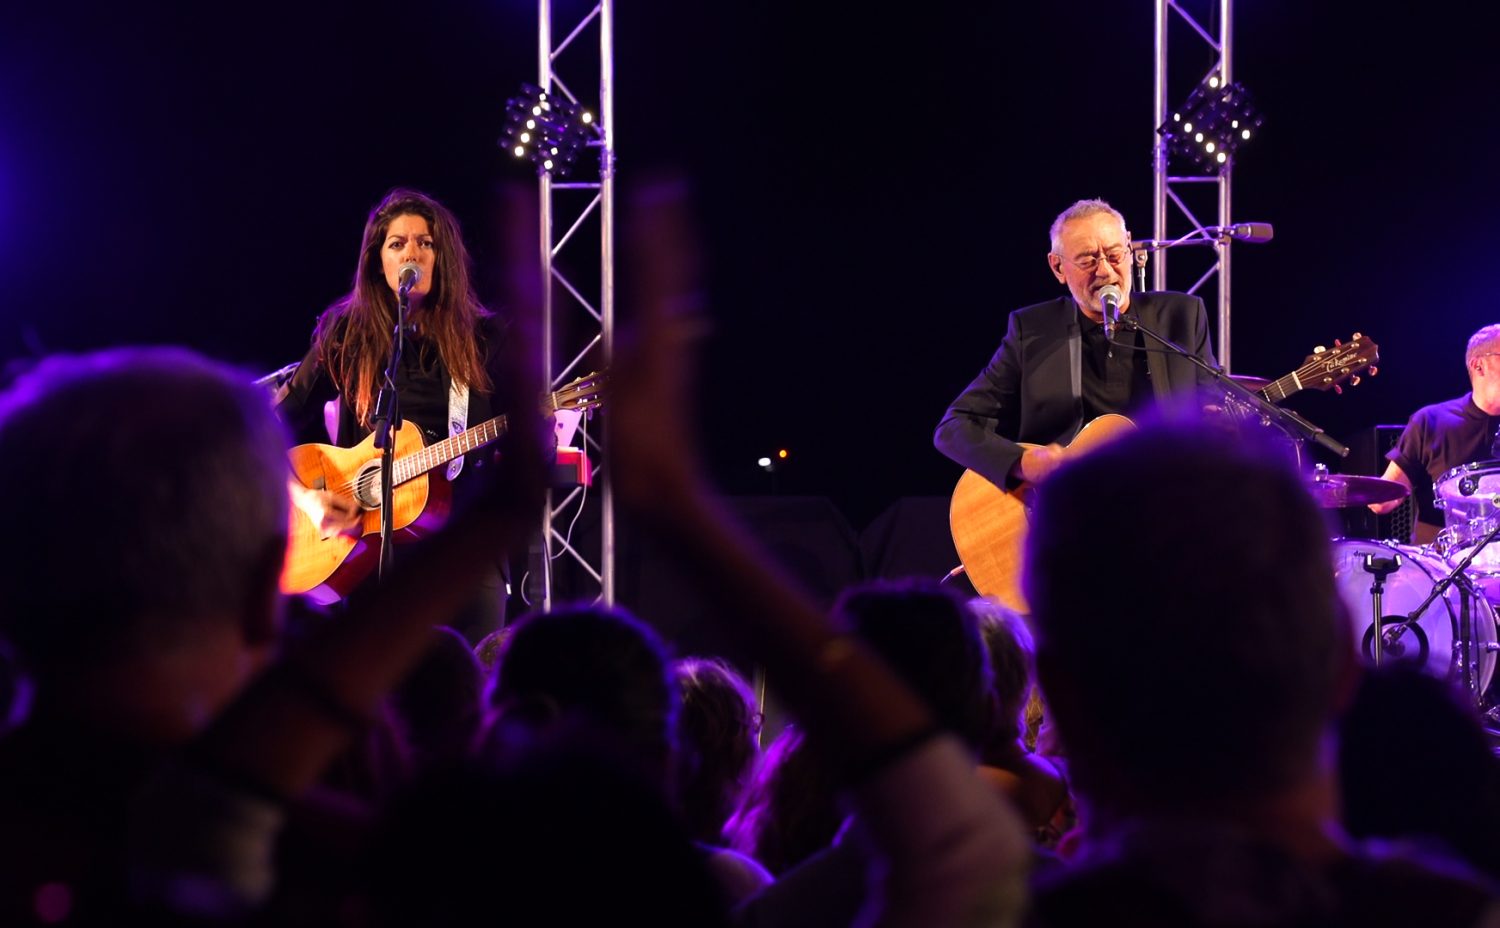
(1415, 762)
(152, 485)
(1013, 659)
(718, 741)
(1190, 641)
(590, 667)
(561, 835)
(931, 639)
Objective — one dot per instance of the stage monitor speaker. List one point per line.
(806, 536)
(1367, 449)
(909, 539)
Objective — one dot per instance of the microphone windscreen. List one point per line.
(1253, 232)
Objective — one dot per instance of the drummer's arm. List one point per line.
(1394, 472)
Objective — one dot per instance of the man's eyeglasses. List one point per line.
(1119, 257)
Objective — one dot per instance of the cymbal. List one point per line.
(1337, 491)
(1251, 382)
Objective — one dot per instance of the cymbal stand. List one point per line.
(1465, 654)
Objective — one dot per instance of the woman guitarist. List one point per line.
(446, 375)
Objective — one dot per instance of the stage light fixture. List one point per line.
(549, 131)
(1212, 124)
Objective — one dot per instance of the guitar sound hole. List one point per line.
(367, 485)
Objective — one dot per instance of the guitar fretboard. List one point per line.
(440, 453)
(1282, 387)
(580, 394)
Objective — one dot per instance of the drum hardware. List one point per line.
(1444, 633)
(1338, 491)
(1465, 653)
(1469, 498)
(1379, 568)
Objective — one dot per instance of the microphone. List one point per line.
(1110, 298)
(410, 276)
(1255, 233)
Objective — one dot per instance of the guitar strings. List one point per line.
(365, 480)
(570, 397)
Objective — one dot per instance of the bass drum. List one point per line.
(1429, 642)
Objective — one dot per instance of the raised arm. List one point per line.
(956, 854)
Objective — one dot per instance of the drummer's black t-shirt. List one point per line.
(1439, 438)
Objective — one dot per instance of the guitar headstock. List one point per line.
(1327, 368)
(587, 392)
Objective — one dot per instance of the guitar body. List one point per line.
(989, 523)
(328, 568)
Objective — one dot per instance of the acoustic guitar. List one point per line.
(989, 523)
(328, 568)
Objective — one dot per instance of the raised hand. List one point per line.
(652, 447)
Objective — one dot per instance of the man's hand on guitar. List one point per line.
(331, 513)
(1037, 462)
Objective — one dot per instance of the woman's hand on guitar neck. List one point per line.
(331, 513)
(1037, 462)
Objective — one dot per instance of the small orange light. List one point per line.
(781, 454)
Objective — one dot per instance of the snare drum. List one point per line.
(1428, 643)
(1469, 496)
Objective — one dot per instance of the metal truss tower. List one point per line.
(578, 303)
(1192, 194)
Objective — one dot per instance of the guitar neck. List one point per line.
(1281, 388)
(439, 453)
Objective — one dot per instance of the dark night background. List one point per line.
(873, 187)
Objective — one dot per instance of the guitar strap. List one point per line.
(458, 420)
(1075, 368)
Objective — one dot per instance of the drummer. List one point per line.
(1445, 435)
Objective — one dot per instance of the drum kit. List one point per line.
(1432, 606)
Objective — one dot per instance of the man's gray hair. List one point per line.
(1082, 210)
(148, 490)
(1487, 337)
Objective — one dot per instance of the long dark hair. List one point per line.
(354, 334)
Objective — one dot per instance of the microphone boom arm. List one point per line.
(1289, 421)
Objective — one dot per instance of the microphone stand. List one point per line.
(386, 422)
(1269, 412)
(1252, 233)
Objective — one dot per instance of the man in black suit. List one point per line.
(1055, 370)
